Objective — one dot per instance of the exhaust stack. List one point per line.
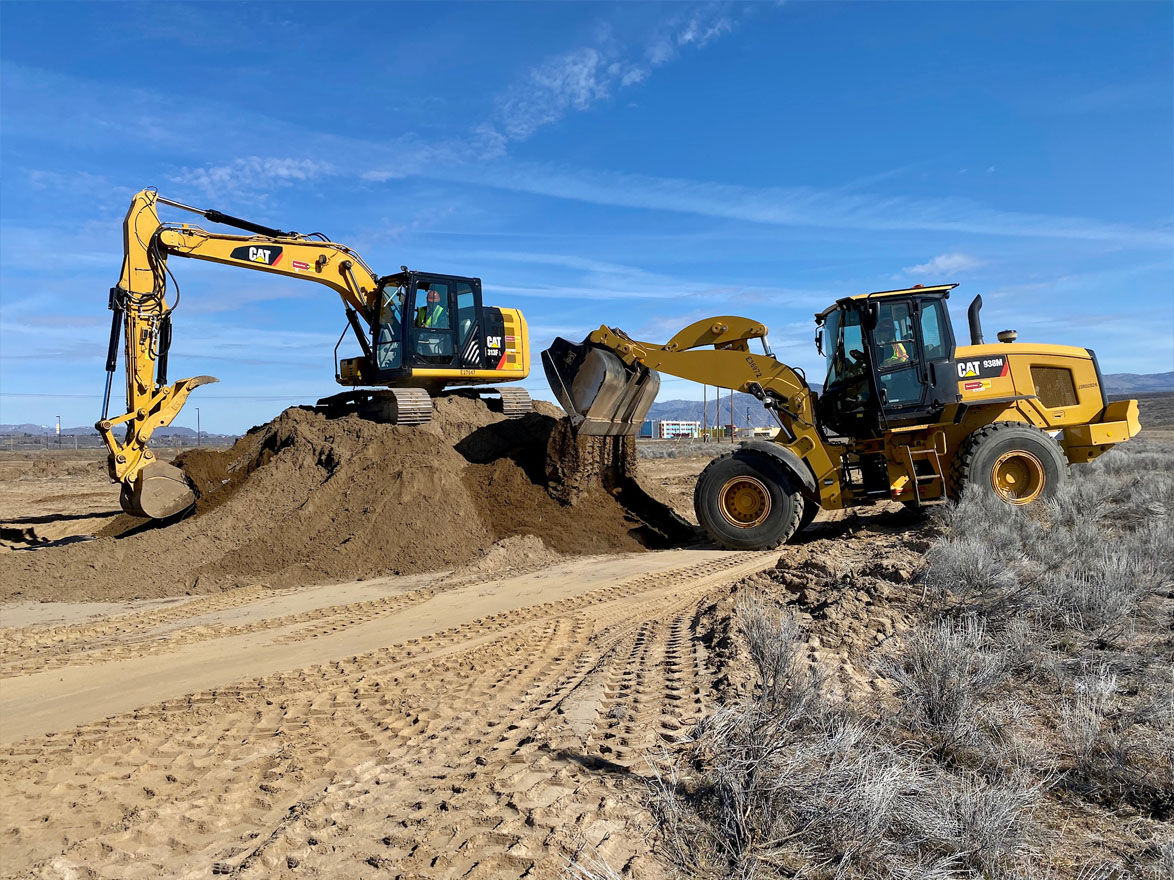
(975, 324)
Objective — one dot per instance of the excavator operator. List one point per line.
(433, 314)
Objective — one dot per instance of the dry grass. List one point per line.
(1038, 681)
(788, 782)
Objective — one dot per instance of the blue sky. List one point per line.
(643, 165)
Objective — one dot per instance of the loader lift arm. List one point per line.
(712, 351)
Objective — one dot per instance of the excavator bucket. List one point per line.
(603, 396)
(159, 491)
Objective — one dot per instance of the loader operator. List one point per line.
(892, 351)
(433, 314)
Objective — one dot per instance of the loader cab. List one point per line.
(890, 359)
(424, 321)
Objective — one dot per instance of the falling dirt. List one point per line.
(306, 499)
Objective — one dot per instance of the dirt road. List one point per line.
(425, 726)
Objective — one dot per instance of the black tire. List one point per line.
(1011, 461)
(774, 506)
(810, 509)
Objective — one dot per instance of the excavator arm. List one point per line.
(142, 316)
(607, 383)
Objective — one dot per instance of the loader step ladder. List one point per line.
(933, 454)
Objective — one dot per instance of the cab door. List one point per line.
(430, 321)
(913, 349)
(471, 327)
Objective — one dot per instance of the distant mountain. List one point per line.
(744, 404)
(1132, 383)
(690, 411)
(51, 430)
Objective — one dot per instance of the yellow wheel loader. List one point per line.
(904, 415)
(419, 332)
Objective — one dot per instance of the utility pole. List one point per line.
(197, 426)
(731, 415)
(59, 432)
(704, 410)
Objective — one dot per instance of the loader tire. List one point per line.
(747, 501)
(1012, 461)
(810, 509)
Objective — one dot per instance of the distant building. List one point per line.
(648, 429)
(668, 429)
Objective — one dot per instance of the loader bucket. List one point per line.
(603, 396)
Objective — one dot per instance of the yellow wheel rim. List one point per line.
(1018, 477)
(744, 502)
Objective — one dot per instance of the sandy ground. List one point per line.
(483, 722)
(490, 721)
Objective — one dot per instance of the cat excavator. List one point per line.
(420, 333)
(904, 414)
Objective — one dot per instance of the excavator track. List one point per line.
(392, 406)
(515, 402)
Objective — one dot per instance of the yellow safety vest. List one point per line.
(429, 316)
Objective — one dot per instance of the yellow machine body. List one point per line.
(465, 343)
(1009, 416)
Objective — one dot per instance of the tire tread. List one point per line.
(960, 468)
(796, 513)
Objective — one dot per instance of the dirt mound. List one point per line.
(306, 499)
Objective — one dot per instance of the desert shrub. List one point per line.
(976, 577)
(787, 782)
(682, 449)
(944, 672)
(1109, 756)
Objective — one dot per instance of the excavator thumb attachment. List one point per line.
(603, 396)
(159, 491)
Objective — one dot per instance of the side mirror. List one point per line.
(819, 341)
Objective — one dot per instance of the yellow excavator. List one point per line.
(419, 332)
(904, 414)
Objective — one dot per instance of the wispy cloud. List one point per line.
(797, 206)
(696, 27)
(252, 173)
(945, 264)
(1114, 96)
(578, 79)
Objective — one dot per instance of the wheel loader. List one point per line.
(420, 333)
(904, 414)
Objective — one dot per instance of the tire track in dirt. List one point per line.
(450, 755)
(160, 631)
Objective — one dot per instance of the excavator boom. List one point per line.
(426, 332)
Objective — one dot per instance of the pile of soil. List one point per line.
(307, 499)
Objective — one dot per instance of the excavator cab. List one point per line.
(890, 357)
(428, 322)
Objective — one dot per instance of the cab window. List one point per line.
(933, 319)
(467, 329)
(388, 352)
(896, 350)
(432, 322)
(846, 355)
(894, 335)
